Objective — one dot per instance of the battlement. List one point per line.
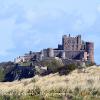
(71, 48)
(71, 43)
(69, 36)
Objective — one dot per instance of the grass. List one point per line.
(84, 85)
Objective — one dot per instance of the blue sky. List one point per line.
(35, 24)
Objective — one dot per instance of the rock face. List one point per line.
(19, 72)
(10, 71)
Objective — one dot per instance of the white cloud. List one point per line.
(27, 24)
(31, 16)
(98, 8)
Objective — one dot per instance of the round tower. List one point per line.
(79, 42)
(63, 56)
(90, 51)
(50, 52)
(41, 55)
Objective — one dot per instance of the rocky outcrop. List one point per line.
(19, 72)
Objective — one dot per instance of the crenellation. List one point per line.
(73, 48)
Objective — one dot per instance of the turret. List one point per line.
(41, 55)
(64, 41)
(79, 42)
(71, 43)
(90, 51)
(63, 56)
(60, 47)
(50, 52)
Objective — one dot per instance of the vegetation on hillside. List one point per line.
(10, 71)
(58, 82)
(5, 67)
(78, 85)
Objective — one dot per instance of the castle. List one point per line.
(72, 48)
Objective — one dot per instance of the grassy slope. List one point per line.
(76, 83)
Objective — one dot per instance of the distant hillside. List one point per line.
(78, 85)
(10, 71)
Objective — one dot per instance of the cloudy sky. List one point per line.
(35, 24)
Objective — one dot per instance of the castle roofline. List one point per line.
(71, 36)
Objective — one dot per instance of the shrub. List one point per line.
(2, 75)
(35, 91)
(67, 69)
(89, 64)
(90, 81)
(76, 90)
(54, 65)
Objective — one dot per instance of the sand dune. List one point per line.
(86, 79)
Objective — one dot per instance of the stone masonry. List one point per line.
(72, 48)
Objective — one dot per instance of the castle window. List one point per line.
(72, 47)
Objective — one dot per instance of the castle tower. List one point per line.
(71, 43)
(50, 52)
(60, 47)
(90, 51)
(79, 42)
(41, 55)
(64, 41)
(63, 56)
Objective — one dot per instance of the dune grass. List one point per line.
(78, 85)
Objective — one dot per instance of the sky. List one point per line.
(31, 25)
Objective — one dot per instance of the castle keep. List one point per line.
(72, 48)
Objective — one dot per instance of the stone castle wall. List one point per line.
(90, 51)
(71, 43)
(71, 48)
